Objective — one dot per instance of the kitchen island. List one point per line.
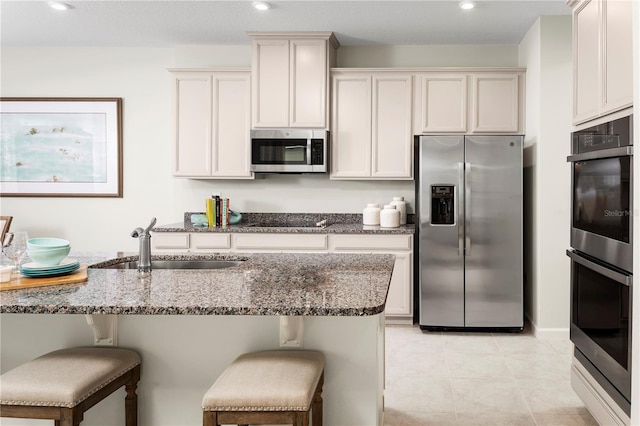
(188, 325)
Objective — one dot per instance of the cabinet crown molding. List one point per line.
(326, 35)
(209, 70)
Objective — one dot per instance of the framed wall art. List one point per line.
(61, 147)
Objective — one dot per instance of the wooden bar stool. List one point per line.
(268, 387)
(63, 384)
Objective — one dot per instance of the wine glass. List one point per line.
(14, 247)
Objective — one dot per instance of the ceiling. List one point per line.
(169, 23)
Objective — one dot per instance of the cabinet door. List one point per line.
(232, 124)
(280, 242)
(207, 241)
(495, 103)
(270, 83)
(170, 241)
(192, 124)
(586, 69)
(351, 126)
(400, 297)
(308, 71)
(617, 55)
(443, 104)
(392, 141)
(399, 300)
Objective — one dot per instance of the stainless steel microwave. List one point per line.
(289, 151)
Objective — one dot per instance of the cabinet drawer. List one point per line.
(210, 241)
(372, 242)
(281, 241)
(170, 240)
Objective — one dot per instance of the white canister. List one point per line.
(389, 217)
(371, 214)
(401, 205)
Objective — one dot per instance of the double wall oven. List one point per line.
(602, 254)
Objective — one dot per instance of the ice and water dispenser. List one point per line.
(442, 206)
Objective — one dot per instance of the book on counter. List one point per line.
(217, 211)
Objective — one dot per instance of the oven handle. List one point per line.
(605, 153)
(609, 273)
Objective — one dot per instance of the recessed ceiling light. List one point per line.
(59, 5)
(261, 5)
(467, 4)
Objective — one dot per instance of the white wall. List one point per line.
(140, 77)
(546, 52)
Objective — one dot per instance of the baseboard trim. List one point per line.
(547, 332)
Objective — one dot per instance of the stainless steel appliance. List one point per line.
(469, 216)
(602, 254)
(601, 306)
(602, 197)
(289, 151)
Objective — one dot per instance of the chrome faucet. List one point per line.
(144, 255)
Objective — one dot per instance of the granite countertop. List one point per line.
(264, 284)
(297, 223)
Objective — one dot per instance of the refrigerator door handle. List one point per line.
(458, 210)
(467, 208)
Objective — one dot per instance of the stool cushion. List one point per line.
(66, 377)
(267, 381)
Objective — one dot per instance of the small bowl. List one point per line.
(46, 243)
(48, 257)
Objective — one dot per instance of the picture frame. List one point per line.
(5, 224)
(61, 147)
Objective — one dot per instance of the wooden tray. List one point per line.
(18, 281)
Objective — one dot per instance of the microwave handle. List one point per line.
(609, 273)
(309, 151)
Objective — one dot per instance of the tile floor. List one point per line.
(447, 378)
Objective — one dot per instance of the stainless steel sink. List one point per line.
(174, 264)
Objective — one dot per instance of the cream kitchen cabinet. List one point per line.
(371, 125)
(163, 242)
(258, 242)
(496, 103)
(399, 307)
(211, 116)
(442, 104)
(469, 102)
(602, 58)
(290, 75)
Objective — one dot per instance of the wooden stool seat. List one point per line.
(268, 387)
(63, 384)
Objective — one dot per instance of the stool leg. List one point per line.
(209, 418)
(67, 418)
(316, 404)
(301, 418)
(131, 404)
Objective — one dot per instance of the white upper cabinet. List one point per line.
(443, 103)
(602, 58)
(469, 102)
(290, 73)
(212, 121)
(495, 103)
(351, 126)
(617, 55)
(371, 125)
(586, 73)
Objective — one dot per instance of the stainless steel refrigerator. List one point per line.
(469, 226)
